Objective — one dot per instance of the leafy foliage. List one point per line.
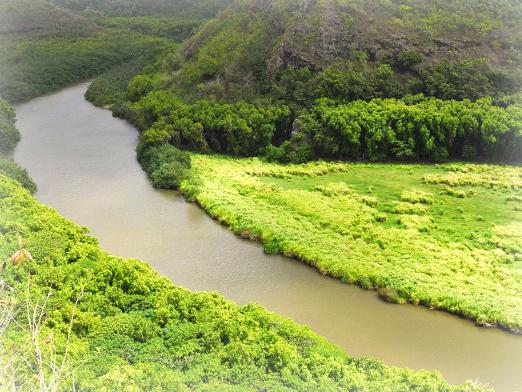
(109, 88)
(428, 129)
(414, 128)
(166, 165)
(237, 129)
(12, 170)
(9, 136)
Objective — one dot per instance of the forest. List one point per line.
(428, 98)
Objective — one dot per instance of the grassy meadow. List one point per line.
(446, 236)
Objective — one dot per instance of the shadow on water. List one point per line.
(84, 163)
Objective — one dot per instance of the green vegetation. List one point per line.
(447, 237)
(34, 67)
(120, 326)
(348, 50)
(297, 83)
(9, 136)
(12, 170)
(237, 129)
(109, 89)
(411, 129)
(182, 9)
(167, 166)
(293, 82)
(43, 48)
(423, 129)
(175, 29)
(39, 18)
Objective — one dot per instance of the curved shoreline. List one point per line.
(65, 145)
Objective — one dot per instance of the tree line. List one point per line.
(414, 128)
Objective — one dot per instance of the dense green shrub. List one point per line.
(12, 170)
(427, 129)
(166, 165)
(466, 80)
(239, 129)
(110, 88)
(406, 60)
(9, 136)
(413, 128)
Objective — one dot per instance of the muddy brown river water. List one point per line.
(83, 161)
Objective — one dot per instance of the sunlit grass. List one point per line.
(444, 236)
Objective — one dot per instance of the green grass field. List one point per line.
(445, 236)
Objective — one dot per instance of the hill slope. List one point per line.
(434, 47)
(43, 47)
(38, 16)
(174, 8)
(343, 80)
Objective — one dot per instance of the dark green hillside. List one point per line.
(39, 17)
(183, 9)
(378, 80)
(44, 47)
(172, 28)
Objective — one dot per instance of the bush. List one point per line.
(168, 175)
(406, 60)
(9, 135)
(9, 168)
(416, 196)
(466, 80)
(239, 129)
(166, 166)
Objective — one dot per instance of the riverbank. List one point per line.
(115, 323)
(65, 144)
(447, 236)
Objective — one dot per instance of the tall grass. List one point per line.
(383, 226)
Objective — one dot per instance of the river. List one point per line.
(83, 161)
